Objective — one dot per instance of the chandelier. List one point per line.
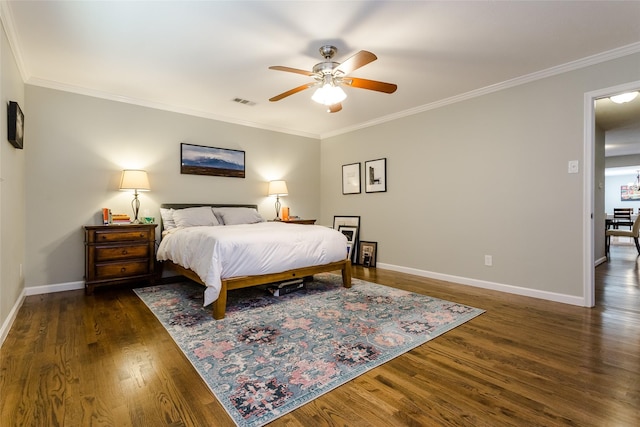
(635, 187)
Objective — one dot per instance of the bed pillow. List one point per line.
(192, 217)
(167, 219)
(235, 216)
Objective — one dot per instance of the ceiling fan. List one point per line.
(329, 76)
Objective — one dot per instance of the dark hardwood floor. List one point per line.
(104, 360)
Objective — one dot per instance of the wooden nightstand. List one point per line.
(117, 254)
(300, 221)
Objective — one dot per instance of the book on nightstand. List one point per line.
(287, 287)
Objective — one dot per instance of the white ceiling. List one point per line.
(195, 57)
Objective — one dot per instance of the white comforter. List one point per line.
(214, 253)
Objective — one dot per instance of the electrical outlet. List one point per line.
(488, 260)
(573, 166)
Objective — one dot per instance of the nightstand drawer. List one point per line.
(121, 269)
(108, 253)
(115, 235)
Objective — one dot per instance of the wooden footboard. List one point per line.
(220, 305)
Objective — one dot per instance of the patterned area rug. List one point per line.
(271, 355)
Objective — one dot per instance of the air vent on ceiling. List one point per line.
(244, 101)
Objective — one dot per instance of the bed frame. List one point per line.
(228, 284)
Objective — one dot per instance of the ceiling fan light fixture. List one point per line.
(624, 97)
(329, 94)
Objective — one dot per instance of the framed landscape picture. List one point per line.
(201, 160)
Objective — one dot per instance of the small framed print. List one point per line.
(375, 176)
(352, 235)
(351, 179)
(350, 232)
(367, 253)
(351, 222)
(15, 125)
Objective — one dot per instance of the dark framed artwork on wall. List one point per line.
(375, 175)
(202, 160)
(15, 125)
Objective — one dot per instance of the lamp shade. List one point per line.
(278, 188)
(134, 180)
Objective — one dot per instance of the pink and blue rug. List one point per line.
(271, 355)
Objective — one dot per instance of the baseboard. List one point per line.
(49, 289)
(600, 261)
(510, 289)
(8, 323)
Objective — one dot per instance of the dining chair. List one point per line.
(634, 232)
(622, 217)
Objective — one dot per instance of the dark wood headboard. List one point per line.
(195, 205)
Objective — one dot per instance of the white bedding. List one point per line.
(218, 252)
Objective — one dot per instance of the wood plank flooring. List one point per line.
(104, 360)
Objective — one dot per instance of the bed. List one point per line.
(226, 247)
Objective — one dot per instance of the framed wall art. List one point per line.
(367, 251)
(352, 222)
(351, 234)
(15, 125)
(375, 176)
(201, 160)
(351, 179)
(629, 193)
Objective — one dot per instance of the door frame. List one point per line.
(588, 183)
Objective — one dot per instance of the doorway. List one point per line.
(594, 170)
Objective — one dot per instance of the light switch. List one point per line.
(573, 166)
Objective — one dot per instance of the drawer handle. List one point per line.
(141, 234)
(123, 269)
(124, 252)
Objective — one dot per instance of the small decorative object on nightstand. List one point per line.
(117, 254)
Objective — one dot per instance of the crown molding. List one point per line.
(538, 75)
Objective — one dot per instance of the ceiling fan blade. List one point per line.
(334, 108)
(371, 85)
(291, 70)
(291, 92)
(356, 61)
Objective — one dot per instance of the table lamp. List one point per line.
(136, 180)
(278, 188)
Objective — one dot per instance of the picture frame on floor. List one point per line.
(367, 253)
(349, 221)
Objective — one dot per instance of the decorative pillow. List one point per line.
(167, 218)
(235, 216)
(192, 217)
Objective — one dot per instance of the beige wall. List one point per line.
(486, 176)
(79, 145)
(12, 188)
